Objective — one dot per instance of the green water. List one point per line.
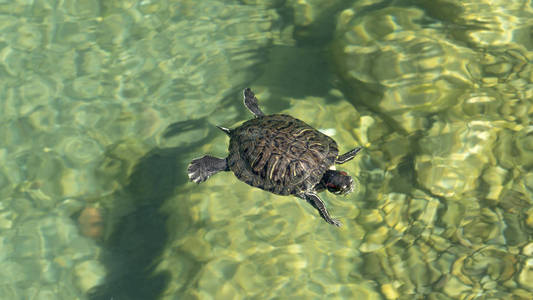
(104, 103)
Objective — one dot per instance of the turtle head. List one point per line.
(337, 182)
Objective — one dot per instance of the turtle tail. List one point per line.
(226, 130)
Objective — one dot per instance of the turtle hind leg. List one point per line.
(319, 205)
(201, 169)
(252, 103)
(347, 156)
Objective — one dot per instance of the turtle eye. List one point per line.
(331, 185)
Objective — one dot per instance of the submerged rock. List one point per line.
(396, 65)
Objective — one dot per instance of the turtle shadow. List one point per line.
(138, 238)
(133, 249)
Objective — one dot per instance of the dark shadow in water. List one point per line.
(296, 72)
(138, 239)
(133, 249)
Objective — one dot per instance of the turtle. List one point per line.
(280, 154)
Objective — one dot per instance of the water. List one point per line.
(104, 103)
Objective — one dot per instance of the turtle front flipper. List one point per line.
(252, 103)
(347, 156)
(201, 169)
(314, 200)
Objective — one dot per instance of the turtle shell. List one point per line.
(280, 154)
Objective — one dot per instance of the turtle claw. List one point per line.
(200, 169)
(251, 102)
(194, 171)
(335, 222)
(347, 156)
(318, 204)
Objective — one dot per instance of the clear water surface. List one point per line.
(104, 103)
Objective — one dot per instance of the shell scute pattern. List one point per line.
(280, 154)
